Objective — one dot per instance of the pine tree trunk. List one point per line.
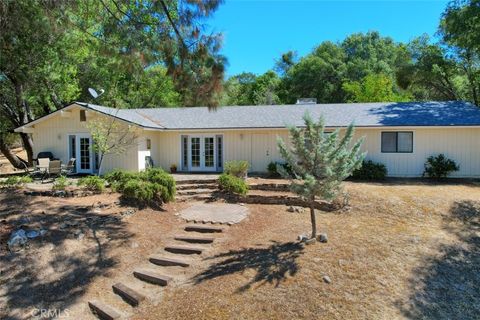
(313, 219)
(16, 161)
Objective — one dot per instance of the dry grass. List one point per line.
(405, 250)
(386, 257)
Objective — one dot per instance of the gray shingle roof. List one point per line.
(455, 113)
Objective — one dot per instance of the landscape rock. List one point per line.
(327, 279)
(18, 239)
(291, 209)
(32, 234)
(302, 237)
(322, 237)
(310, 241)
(127, 212)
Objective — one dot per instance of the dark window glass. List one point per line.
(397, 142)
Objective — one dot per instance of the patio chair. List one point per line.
(40, 166)
(54, 170)
(69, 168)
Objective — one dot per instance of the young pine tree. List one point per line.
(318, 162)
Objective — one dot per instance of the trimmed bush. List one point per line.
(237, 168)
(142, 191)
(439, 166)
(92, 183)
(232, 184)
(162, 178)
(16, 181)
(60, 183)
(370, 171)
(153, 184)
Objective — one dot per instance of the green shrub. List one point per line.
(92, 183)
(272, 169)
(16, 181)
(439, 166)
(60, 183)
(119, 175)
(162, 178)
(139, 190)
(232, 184)
(153, 184)
(370, 171)
(237, 168)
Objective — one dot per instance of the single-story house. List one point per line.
(399, 135)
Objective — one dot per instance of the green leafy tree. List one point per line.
(111, 137)
(319, 162)
(373, 88)
(460, 29)
(431, 75)
(318, 75)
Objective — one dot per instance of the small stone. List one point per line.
(291, 209)
(302, 237)
(327, 279)
(18, 239)
(322, 237)
(134, 245)
(80, 236)
(310, 241)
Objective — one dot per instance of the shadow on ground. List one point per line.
(54, 270)
(449, 286)
(272, 264)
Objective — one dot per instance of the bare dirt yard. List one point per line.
(401, 250)
(5, 166)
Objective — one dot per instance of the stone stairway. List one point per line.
(196, 189)
(185, 249)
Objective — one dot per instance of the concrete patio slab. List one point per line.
(215, 213)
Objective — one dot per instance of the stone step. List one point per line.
(103, 311)
(152, 277)
(203, 228)
(194, 239)
(184, 249)
(128, 294)
(196, 181)
(199, 197)
(211, 186)
(166, 261)
(194, 192)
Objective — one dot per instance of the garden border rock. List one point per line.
(61, 193)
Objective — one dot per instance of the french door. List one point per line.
(202, 155)
(84, 152)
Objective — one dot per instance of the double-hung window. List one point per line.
(397, 142)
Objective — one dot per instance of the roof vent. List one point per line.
(307, 101)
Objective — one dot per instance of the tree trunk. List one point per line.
(28, 146)
(16, 161)
(313, 219)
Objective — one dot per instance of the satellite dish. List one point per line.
(94, 93)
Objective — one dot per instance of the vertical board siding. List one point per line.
(52, 135)
(459, 144)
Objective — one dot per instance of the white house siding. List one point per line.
(459, 144)
(259, 147)
(52, 135)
